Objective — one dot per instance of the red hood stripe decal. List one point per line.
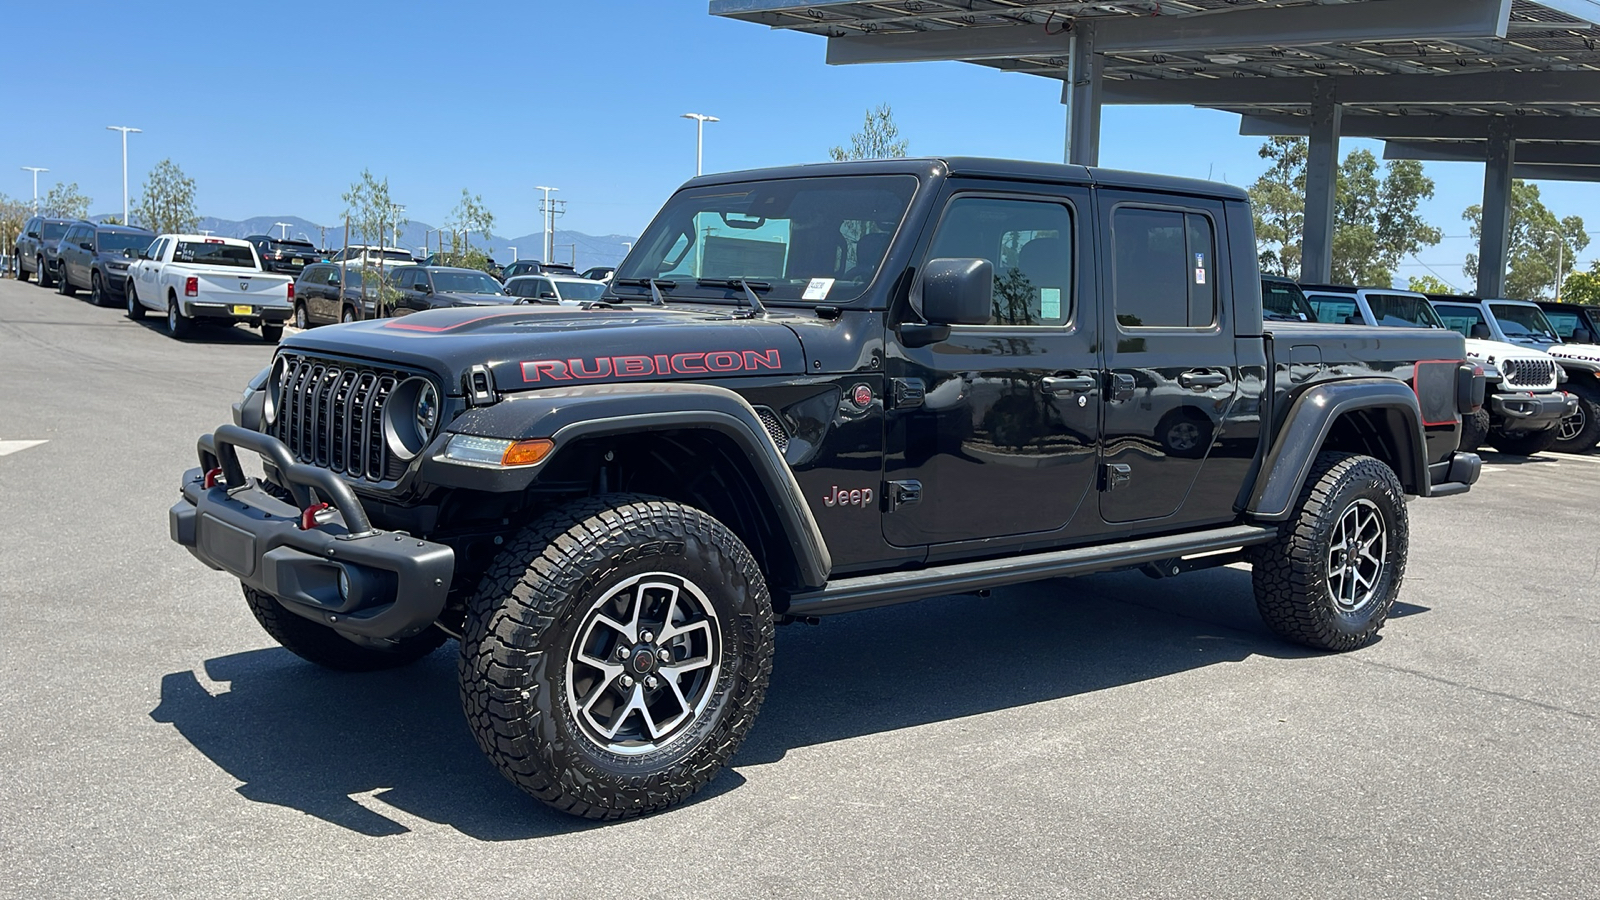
(406, 325)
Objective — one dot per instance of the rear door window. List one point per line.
(1163, 269)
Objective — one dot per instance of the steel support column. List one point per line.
(1322, 172)
(1496, 232)
(1083, 142)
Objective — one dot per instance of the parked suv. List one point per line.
(555, 289)
(436, 287)
(1575, 323)
(96, 258)
(368, 257)
(326, 293)
(1524, 406)
(283, 254)
(888, 380)
(535, 267)
(1526, 324)
(36, 248)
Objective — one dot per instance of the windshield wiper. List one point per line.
(654, 284)
(749, 287)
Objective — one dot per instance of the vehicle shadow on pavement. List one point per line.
(308, 739)
(203, 332)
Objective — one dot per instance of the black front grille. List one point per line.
(330, 414)
(1529, 372)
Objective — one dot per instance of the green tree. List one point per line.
(1429, 284)
(65, 201)
(166, 202)
(879, 138)
(1538, 238)
(13, 215)
(372, 211)
(1583, 287)
(1376, 223)
(470, 215)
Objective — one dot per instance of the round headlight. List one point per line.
(427, 412)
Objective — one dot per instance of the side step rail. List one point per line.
(867, 591)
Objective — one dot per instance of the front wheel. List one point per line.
(64, 284)
(1330, 578)
(44, 274)
(1525, 443)
(322, 645)
(20, 274)
(1474, 428)
(1580, 432)
(615, 655)
(271, 333)
(97, 289)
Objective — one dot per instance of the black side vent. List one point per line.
(774, 426)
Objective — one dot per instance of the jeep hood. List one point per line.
(1585, 352)
(1477, 348)
(527, 347)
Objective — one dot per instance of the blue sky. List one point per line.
(499, 98)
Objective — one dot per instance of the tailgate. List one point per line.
(245, 287)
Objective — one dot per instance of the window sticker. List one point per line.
(1199, 276)
(817, 289)
(1050, 303)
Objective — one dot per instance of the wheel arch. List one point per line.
(700, 445)
(1376, 417)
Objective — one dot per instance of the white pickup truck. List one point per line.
(215, 280)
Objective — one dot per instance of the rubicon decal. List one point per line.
(712, 362)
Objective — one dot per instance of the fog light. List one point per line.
(344, 585)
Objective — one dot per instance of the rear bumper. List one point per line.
(271, 313)
(1531, 412)
(341, 573)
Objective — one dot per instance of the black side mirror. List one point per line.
(1480, 331)
(958, 291)
(127, 253)
(425, 287)
(548, 295)
(33, 234)
(86, 246)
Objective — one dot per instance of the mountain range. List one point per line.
(580, 249)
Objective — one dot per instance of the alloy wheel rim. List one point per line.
(644, 665)
(94, 290)
(172, 318)
(300, 317)
(1573, 425)
(1357, 553)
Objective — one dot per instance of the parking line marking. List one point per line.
(1575, 457)
(9, 447)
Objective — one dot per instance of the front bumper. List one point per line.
(1524, 411)
(342, 573)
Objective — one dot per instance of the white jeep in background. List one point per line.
(1523, 407)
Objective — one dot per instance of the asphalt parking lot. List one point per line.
(1113, 736)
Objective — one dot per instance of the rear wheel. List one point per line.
(1330, 578)
(1580, 432)
(1474, 428)
(1525, 443)
(349, 315)
(271, 333)
(135, 308)
(178, 325)
(322, 645)
(616, 654)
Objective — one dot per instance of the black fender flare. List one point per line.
(567, 415)
(1306, 428)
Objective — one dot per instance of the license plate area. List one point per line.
(232, 548)
(298, 261)
(243, 309)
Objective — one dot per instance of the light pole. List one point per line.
(1561, 246)
(125, 130)
(284, 235)
(513, 253)
(700, 121)
(549, 221)
(35, 170)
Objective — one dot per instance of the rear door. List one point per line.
(994, 428)
(1171, 366)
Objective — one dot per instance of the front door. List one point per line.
(1172, 372)
(992, 430)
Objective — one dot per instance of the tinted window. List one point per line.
(118, 241)
(1463, 319)
(1029, 243)
(54, 230)
(577, 290)
(465, 283)
(522, 287)
(1521, 321)
(1339, 310)
(1565, 322)
(1280, 300)
(1402, 311)
(1164, 270)
(218, 254)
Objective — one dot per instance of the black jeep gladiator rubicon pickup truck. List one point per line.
(812, 390)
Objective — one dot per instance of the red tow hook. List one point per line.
(308, 516)
(211, 478)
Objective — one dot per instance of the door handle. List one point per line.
(1200, 378)
(1070, 384)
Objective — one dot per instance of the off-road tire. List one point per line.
(178, 325)
(271, 333)
(528, 612)
(45, 280)
(1586, 421)
(136, 309)
(1474, 428)
(1526, 443)
(1291, 574)
(322, 645)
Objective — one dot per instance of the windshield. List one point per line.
(465, 283)
(118, 241)
(1283, 300)
(215, 254)
(815, 239)
(578, 290)
(54, 230)
(1402, 311)
(1467, 321)
(1335, 308)
(1523, 322)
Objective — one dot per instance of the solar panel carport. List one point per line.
(1513, 83)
